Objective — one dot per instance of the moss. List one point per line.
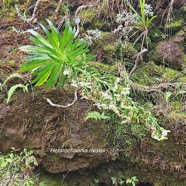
(171, 75)
(148, 74)
(88, 15)
(110, 52)
(111, 47)
(182, 79)
(11, 63)
(183, 9)
(176, 25)
(112, 69)
(180, 116)
(117, 52)
(155, 34)
(184, 58)
(91, 20)
(176, 106)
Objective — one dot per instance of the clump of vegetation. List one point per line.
(17, 169)
(133, 23)
(13, 88)
(62, 59)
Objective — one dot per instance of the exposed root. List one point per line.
(77, 16)
(56, 13)
(137, 61)
(35, 10)
(64, 106)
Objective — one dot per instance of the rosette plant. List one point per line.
(143, 21)
(55, 58)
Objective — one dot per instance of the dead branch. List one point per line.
(56, 13)
(63, 20)
(64, 106)
(137, 61)
(35, 9)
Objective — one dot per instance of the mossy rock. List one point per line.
(120, 52)
(150, 73)
(170, 53)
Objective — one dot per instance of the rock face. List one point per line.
(171, 52)
(35, 124)
(64, 141)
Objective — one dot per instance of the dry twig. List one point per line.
(137, 61)
(56, 13)
(77, 16)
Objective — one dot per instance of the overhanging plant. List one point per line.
(60, 58)
(54, 59)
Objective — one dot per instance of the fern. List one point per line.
(13, 88)
(15, 75)
(96, 115)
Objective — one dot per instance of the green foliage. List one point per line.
(8, 3)
(116, 181)
(59, 59)
(17, 169)
(133, 180)
(96, 181)
(15, 75)
(96, 115)
(56, 57)
(143, 20)
(168, 95)
(14, 87)
(65, 9)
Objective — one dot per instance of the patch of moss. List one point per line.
(182, 79)
(184, 58)
(110, 52)
(155, 34)
(171, 75)
(91, 20)
(88, 15)
(148, 74)
(176, 25)
(111, 69)
(176, 106)
(110, 47)
(179, 116)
